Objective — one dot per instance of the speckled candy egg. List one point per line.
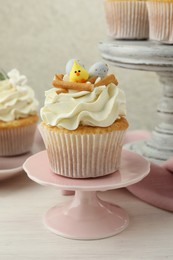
(98, 69)
(69, 65)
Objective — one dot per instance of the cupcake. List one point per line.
(127, 19)
(83, 123)
(160, 14)
(18, 114)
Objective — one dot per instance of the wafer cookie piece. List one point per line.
(107, 80)
(72, 85)
(61, 90)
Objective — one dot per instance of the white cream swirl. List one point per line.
(101, 107)
(16, 101)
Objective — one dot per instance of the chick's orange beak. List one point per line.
(78, 74)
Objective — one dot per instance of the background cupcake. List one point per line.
(161, 20)
(127, 19)
(18, 114)
(83, 128)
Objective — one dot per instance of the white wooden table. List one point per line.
(24, 237)
(155, 57)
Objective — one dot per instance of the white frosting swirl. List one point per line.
(16, 100)
(16, 79)
(101, 107)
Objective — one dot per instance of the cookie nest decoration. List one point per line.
(84, 83)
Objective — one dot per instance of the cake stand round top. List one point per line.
(140, 55)
(133, 168)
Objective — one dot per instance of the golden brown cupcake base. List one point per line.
(127, 19)
(118, 125)
(88, 152)
(16, 137)
(32, 119)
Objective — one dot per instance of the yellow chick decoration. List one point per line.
(78, 73)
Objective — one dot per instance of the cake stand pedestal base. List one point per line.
(86, 217)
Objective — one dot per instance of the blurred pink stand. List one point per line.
(86, 216)
(157, 188)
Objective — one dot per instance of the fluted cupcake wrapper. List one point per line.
(161, 21)
(83, 156)
(127, 19)
(16, 140)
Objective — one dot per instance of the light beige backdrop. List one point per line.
(39, 36)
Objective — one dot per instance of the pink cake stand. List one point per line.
(86, 216)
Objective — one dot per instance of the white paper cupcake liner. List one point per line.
(15, 141)
(161, 21)
(83, 156)
(127, 19)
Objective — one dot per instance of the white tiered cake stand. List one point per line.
(157, 188)
(149, 56)
(86, 216)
